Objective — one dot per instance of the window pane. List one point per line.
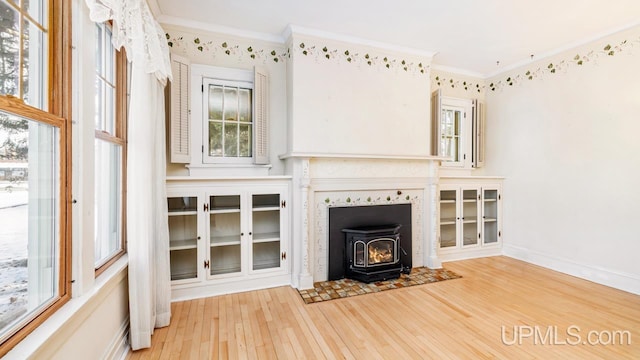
(230, 104)
(37, 9)
(245, 105)
(29, 218)
(99, 47)
(99, 102)
(9, 50)
(110, 105)
(230, 139)
(215, 102)
(34, 66)
(245, 140)
(108, 198)
(215, 138)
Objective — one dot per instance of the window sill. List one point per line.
(67, 319)
(226, 170)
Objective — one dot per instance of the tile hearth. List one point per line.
(343, 288)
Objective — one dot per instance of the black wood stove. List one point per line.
(373, 252)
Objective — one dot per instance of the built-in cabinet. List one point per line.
(470, 217)
(225, 238)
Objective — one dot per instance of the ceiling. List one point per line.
(468, 35)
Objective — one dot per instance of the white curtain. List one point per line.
(135, 29)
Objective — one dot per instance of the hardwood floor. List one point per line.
(454, 319)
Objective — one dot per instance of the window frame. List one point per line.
(119, 138)
(58, 114)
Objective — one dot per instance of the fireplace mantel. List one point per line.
(360, 156)
(322, 180)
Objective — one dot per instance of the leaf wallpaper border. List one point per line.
(227, 48)
(362, 59)
(319, 52)
(540, 70)
(379, 61)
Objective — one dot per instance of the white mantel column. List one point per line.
(432, 261)
(302, 278)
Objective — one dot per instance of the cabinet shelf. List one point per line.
(266, 208)
(183, 276)
(490, 219)
(224, 210)
(490, 200)
(470, 219)
(266, 265)
(225, 240)
(469, 200)
(448, 221)
(446, 201)
(182, 244)
(266, 237)
(182, 212)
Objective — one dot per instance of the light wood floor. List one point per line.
(454, 319)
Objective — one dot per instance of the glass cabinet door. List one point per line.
(448, 218)
(490, 216)
(450, 132)
(225, 250)
(266, 249)
(470, 233)
(183, 237)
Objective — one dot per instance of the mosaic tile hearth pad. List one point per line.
(338, 289)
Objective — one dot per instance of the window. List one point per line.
(34, 158)
(458, 131)
(110, 148)
(230, 117)
(229, 125)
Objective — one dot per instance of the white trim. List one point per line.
(230, 285)
(360, 156)
(615, 279)
(70, 316)
(480, 251)
(562, 49)
(457, 71)
(369, 184)
(292, 29)
(154, 7)
(220, 29)
(119, 348)
(227, 178)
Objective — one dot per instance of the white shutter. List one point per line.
(261, 116)
(477, 137)
(180, 126)
(436, 111)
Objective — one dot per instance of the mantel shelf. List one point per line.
(295, 155)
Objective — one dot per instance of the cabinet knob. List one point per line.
(198, 238)
(250, 233)
(241, 234)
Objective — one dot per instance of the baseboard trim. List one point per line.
(607, 277)
(119, 347)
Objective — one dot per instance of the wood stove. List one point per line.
(373, 252)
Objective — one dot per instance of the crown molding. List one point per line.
(292, 29)
(562, 49)
(155, 8)
(199, 25)
(457, 71)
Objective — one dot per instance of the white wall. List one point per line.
(567, 143)
(202, 47)
(342, 105)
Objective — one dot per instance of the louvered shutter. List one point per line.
(180, 129)
(261, 116)
(436, 111)
(478, 140)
